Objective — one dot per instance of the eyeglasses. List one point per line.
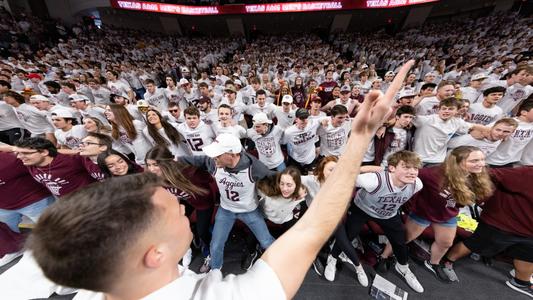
(89, 143)
(173, 110)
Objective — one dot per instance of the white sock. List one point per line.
(403, 268)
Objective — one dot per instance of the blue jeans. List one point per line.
(224, 221)
(13, 217)
(280, 168)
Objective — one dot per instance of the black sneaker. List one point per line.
(318, 266)
(249, 259)
(381, 265)
(438, 271)
(524, 289)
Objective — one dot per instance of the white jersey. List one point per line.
(268, 146)
(198, 137)
(479, 114)
(34, 120)
(252, 109)
(118, 87)
(469, 93)
(157, 99)
(513, 147)
(432, 135)
(177, 150)
(237, 190)
(71, 138)
(173, 95)
(427, 106)
(485, 145)
(379, 198)
(301, 142)
(333, 139)
(285, 119)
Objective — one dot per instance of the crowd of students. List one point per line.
(251, 131)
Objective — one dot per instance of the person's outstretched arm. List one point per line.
(291, 255)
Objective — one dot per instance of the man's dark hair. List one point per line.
(191, 111)
(338, 109)
(449, 102)
(6, 84)
(495, 89)
(425, 86)
(81, 241)
(526, 105)
(260, 92)
(37, 143)
(53, 85)
(103, 139)
(149, 81)
(69, 85)
(405, 109)
(445, 83)
(173, 104)
(18, 97)
(203, 85)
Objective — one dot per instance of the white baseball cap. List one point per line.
(183, 81)
(224, 143)
(478, 76)
(389, 73)
(261, 118)
(286, 99)
(39, 98)
(406, 93)
(62, 113)
(237, 81)
(77, 97)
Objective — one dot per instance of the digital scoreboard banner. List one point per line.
(289, 7)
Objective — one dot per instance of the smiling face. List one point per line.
(153, 167)
(404, 173)
(474, 163)
(116, 165)
(153, 118)
(286, 185)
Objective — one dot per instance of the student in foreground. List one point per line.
(123, 238)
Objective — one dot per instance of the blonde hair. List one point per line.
(465, 187)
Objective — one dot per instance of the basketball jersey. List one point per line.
(383, 201)
(237, 190)
(198, 137)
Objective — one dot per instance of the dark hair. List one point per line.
(172, 171)
(405, 109)
(73, 121)
(203, 84)
(69, 85)
(170, 131)
(173, 104)
(270, 185)
(56, 86)
(18, 97)
(319, 170)
(74, 237)
(445, 83)
(37, 143)
(191, 111)
(260, 92)
(495, 89)
(428, 85)
(449, 102)
(112, 72)
(527, 106)
(149, 81)
(124, 119)
(223, 105)
(5, 83)
(338, 109)
(132, 167)
(103, 139)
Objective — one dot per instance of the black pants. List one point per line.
(393, 228)
(203, 222)
(11, 136)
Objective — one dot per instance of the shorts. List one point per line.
(488, 241)
(425, 223)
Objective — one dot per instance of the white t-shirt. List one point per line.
(527, 155)
(513, 96)
(469, 93)
(432, 135)
(278, 210)
(313, 186)
(34, 120)
(252, 109)
(398, 143)
(427, 106)
(301, 142)
(268, 146)
(236, 130)
(479, 114)
(487, 146)
(8, 118)
(101, 96)
(158, 99)
(71, 138)
(139, 146)
(260, 282)
(513, 147)
(333, 139)
(198, 137)
(177, 150)
(118, 87)
(285, 119)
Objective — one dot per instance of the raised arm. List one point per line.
(291, 255)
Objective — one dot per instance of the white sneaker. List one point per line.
(61, 290)
(345, 259)
(10, 257)
(361, 275)
(331, 268)
(410, 278)
(512, 273)
(187, 258)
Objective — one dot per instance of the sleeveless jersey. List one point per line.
(237, 190)
(385, 200)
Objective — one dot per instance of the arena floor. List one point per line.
(477, 281)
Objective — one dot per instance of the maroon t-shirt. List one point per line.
(17, 188)
(510, 208)
(201, 179)
(327, 91)
(66, 173)
(432, 202)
